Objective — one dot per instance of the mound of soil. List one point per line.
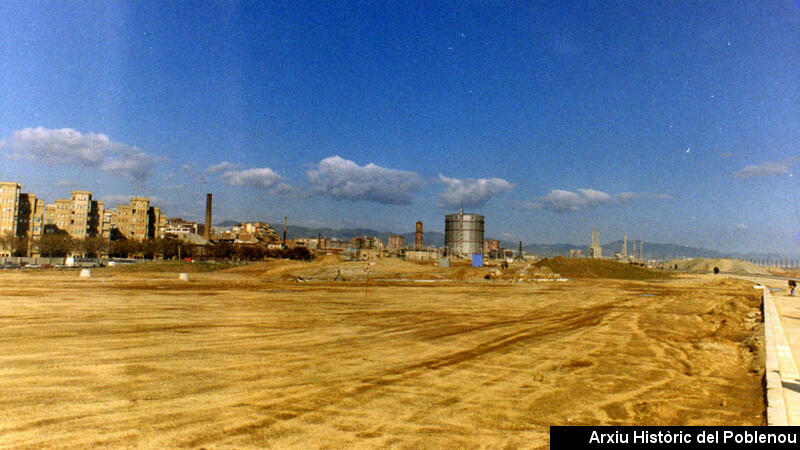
(724, 265)
(598, 268)
(331, 268)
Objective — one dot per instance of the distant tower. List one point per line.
(595, 251)
(624, 245)
(634, 249)
(418, 237)
(207, 230)
(285, 222)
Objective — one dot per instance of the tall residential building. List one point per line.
(80, 209)
(37, 227)
(63, 215)
(137, 220)
(9, 204)
(106, 223)
(157, 222)
(30, 221)
(50, 217)
(96, 215)
(79, 216)
(21, 215)
(121, 220)
(140, 221)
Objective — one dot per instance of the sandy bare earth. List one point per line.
(235, 359)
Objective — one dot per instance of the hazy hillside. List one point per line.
(651, 250)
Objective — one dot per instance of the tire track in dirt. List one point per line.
(557, 326)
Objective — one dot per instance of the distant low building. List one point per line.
(396, 242)
(424, 255)
(366, 243)
(176, 226)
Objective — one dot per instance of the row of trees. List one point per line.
(62, 244)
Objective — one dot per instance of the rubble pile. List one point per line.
(527, 273)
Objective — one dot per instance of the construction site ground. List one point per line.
(399, 354)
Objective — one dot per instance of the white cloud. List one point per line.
(766, 169)
(561, 201)
(345, 180)
(471, 193)
(71, 147)
(221, 167)
(261, 178)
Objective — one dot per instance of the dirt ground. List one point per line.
(725, 265)
(250, 357)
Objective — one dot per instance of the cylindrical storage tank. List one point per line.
(418, 237)
(463, 234)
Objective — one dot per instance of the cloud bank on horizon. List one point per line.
(70, 147)
(561, 201)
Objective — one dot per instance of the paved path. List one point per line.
(782, 332)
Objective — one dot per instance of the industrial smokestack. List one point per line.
(285, 222)
(207, 230)
(418, 237)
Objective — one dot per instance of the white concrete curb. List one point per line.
(783, 379)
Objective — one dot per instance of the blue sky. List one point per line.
(668, 121)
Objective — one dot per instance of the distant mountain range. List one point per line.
(651, 250)
(436, 239)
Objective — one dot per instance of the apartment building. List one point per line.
(137, 220)
(30, 221)
(79, 215)
(21, 215)
(105, 225)
(157, 222)
(9, 204)
(80, 209)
